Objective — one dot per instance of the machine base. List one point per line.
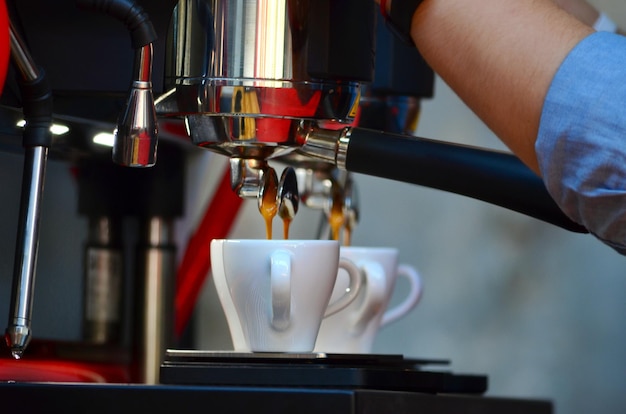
(166, 399)
(265, 383)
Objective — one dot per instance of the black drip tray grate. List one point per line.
(316, 370)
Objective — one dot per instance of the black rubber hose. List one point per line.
(491, 176)
(37, 108)
(132, 15)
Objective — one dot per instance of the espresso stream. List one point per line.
(335, 217)
(268, 206)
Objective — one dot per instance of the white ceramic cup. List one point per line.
(354, 329)
(275, 293)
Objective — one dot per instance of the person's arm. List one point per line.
(499, 56)
(541, 79)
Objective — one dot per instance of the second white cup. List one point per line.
(354, 329)
(275, 293)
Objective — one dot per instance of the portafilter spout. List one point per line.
(288, 198)
(252, 177)
(492, 176)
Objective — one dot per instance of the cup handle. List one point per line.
(351, 292)
(375, 294)
(414, 296)
(280, 282)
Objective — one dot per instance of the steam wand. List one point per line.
(137, 129)
(37, 108)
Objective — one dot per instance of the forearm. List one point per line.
(499, 56)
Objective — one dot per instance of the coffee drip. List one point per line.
(268, 199)
(342, 212)
(281, 197)
(278, 198)
(336, 214)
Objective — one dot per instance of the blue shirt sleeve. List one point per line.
(581, 143)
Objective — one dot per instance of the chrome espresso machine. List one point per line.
(319, 86)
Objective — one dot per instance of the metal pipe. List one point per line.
(21, 56)
(18, 332)
(104, 275)
(157, 259)
(143, 63)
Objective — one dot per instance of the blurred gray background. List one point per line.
(539, 310)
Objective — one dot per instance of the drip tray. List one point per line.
(317, 370)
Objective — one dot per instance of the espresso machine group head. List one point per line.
(245, 74)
